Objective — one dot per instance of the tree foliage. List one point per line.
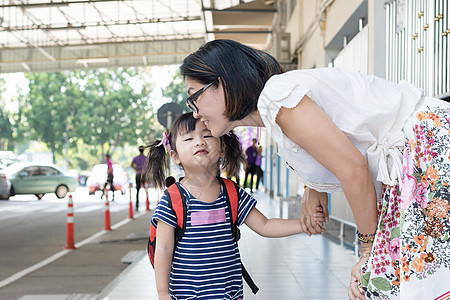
(5, 123)
(96, 109)
(176, 91)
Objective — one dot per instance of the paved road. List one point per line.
(32, 231)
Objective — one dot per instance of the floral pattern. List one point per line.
(412, 240)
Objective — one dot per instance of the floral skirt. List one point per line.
(410, 257)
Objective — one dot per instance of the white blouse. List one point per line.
(369, 110)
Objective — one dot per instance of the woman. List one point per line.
(384, 145)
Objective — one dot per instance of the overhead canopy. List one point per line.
(38, 35)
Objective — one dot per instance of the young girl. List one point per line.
(206, 263)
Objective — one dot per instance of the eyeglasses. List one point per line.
(192, 98)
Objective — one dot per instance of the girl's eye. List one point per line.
(208, 136)
(188, 139)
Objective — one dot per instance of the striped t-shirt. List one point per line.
(206, 263)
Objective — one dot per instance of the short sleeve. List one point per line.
(279, 93)
(164, 213)
(246, 204)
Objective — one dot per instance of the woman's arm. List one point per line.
(163, 258)
(310, 127)
(272, 228)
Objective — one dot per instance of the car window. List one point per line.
(48, 171)
(30, 171)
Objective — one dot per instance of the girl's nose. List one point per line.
(201, 142)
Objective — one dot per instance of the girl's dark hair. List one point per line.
(242, 70)
(157, 161)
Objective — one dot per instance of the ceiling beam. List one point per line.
(83, 25)
(50, 3)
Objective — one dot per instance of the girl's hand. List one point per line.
(310, 201)
(319, 217)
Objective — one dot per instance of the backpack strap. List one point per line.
(232, 196)
(177, 202)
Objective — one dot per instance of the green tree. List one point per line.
(50, 108)
(6, 138)
(115, 114)
(176, 91)
(81, 115)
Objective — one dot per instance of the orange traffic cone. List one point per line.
(130, 207)
(107, 215)
(70, 228)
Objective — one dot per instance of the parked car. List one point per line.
(38, 179)
(5, 185)
(97, 178)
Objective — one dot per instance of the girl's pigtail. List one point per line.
(156, 164)
(234, 156)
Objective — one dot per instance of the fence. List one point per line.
(417, 44)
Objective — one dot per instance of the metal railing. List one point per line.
(417, 44)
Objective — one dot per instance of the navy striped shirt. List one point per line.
(206, 263)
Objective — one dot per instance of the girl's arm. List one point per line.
(272, 228)
(310, 127)
(163, 258)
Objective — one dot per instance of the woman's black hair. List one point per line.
(157, 163)
(243, 72)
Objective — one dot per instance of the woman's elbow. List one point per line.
(356, 171)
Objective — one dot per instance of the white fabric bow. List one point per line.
(390, 158)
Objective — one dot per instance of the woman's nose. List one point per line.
(196, 115)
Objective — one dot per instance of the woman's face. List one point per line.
(211, 107)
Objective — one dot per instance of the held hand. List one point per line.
(319, 216)
(310, 201)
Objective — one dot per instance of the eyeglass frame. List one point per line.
(190, 100)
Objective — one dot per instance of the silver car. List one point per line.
(38, 179)
(5, 186)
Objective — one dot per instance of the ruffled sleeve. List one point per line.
(277, 94)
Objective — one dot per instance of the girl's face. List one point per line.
(197, 150)
(211, 107)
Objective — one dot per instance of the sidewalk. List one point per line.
(298, 267)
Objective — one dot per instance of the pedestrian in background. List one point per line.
(138, 164)
(250, 169)
(109, 175)
(258, 169)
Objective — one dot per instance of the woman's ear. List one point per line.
(175, 158)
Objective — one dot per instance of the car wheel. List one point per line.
(61, 191)
(39, 196)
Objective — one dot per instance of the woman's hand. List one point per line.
(310, 201)
(355, 277)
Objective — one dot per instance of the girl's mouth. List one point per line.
(202, 151)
